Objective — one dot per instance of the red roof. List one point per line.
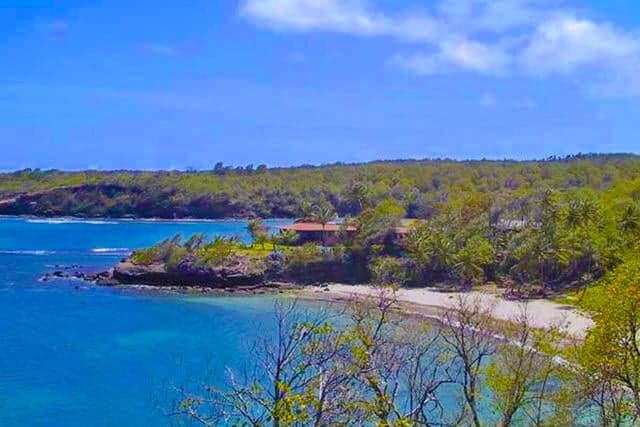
(331, 228)
(314, 226)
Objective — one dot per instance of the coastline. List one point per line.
(137, 219)
(425, 302)
(432, 303)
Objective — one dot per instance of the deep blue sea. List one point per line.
(73, 354)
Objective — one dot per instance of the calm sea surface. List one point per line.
(72, 354)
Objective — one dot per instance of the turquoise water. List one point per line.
(72, 354)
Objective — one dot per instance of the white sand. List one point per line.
(541, 313)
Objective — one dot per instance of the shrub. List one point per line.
(302, 255)
(388, 271)
(174, 258)
(217, 251)
(144, 256)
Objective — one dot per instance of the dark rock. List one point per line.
(189, 274)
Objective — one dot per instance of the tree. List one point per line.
(611, 352)
(195, 242)
(306, 210)
(218, 168)
(388, 271)
(630, 220)
(466, 327)
(323, 214)
(375, 225)
(539, 257)
(292, 382)
(257, 231)
(377, 368)
(358, 195)
(433, 247)
(398, 365)
(582, 209)
(367, 365)
(523, 374)
(471, 260)
(286, 238)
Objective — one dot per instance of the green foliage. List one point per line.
(473, 258)
(144, 256)
(375, 225)
(424, 188)
(369, 366)
(162, 252)
(610, 355)
(302, 255)
(217, 251)
(286, 238)
(552, 224)
(388, 271)
(433, 248)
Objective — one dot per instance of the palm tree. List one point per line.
(582, 211)
(472, 258)
(541, 257)
(442, 251)
(630, 221)
(306, 210)
(254, 227)
(195, 242)
(358, 194)
(323, 214)
(286, 238)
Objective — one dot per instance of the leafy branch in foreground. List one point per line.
(369, 365)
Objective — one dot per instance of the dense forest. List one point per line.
(425, 188)
(533, 228)
(566, 227)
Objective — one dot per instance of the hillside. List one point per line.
(424, 187)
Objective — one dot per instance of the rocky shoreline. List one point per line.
(424, 302)
(154, 277)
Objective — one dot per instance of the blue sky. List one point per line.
(163, 84)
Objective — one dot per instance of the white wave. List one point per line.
(110, 250)
(70, 221)
(27, 252)
(97, 222)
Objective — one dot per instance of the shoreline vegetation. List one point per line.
(442, 233)
(376, 362)
(434, 303)
(423, 186)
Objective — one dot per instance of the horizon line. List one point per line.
(253, 166)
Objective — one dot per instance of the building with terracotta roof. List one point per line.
(331, 233)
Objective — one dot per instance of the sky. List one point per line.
(158, 84)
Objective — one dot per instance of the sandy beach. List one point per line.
(432, 302)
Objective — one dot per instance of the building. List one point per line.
(333, 232)
(308, 231)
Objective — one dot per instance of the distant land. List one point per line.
(423, 187)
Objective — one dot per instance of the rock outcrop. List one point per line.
(157, 274)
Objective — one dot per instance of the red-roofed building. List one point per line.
(331, 233)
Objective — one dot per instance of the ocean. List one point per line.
(74, 354)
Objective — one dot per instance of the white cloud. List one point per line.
(343, 16)
(489, 37)
(460, 55)
(567, 43)
(473, 55)
(494, 16)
